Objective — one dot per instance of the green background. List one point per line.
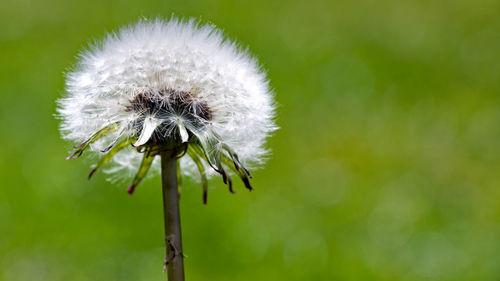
(386, 166)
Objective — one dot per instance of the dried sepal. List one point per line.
(141, 173)
(236, 161)
(238, 169)
(201, 151)
(201, 168)
(97, 135)
(108, 156)
(215, 153)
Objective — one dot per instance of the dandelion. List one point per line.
(174, 89)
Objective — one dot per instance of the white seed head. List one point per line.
(158, 81)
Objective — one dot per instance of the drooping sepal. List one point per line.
(97, 135)
(238, 169)
(108, 156)
(141, 173)
(220, 157)
(199, 164)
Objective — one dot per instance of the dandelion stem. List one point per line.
(174, 260)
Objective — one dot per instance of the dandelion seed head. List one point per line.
(168, 81)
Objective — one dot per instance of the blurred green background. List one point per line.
(386, 166)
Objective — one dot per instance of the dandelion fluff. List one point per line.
(168, 85)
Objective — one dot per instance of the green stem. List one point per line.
(174, 260)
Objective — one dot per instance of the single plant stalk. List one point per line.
(174, 260)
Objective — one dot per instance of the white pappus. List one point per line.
(169, 85)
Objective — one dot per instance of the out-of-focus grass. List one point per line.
(385, 167)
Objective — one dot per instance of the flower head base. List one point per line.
(169, 86)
